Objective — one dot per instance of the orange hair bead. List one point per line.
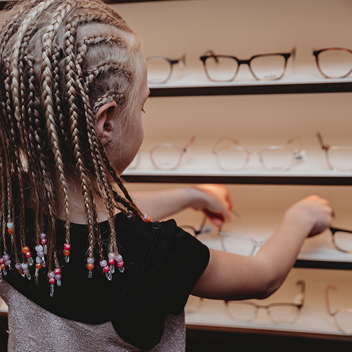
(38, 265)
(3, 266)
(90, 266)
(10, 231)
(66, 252)
(25, 249)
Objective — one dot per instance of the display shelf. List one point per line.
(313, 320)
(199, 165)
(302, 78)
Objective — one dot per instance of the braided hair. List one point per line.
(60, 61)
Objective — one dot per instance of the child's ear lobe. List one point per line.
(104, 121)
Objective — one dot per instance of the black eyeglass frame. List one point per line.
(333, 231)
(211, 54)
(316, 53)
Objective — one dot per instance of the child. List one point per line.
(83, 267)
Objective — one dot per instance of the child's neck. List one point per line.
(76, 203)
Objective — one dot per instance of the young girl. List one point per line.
(82, 266)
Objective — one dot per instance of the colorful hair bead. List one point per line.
(3, 266)
(120, 263)
(43, 242)
(57, 273)
(26, 271)
(51, 277)
(146, 218)
(66, 252)
(9, 226)
(0, 276)
(18, 267)
(106, 269)
(28, 255)
(111, 261)
(7, 260)
(90, 266)
(40, 254)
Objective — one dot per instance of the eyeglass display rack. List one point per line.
(260, 113)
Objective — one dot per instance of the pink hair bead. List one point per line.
(120, 264)
(111, 255)
(43, 241)
(67, 246)
(57, 271)
(90, 260)
(2, 261)
(106, 269)
(58, 277)
(111, 261)
(28, 254)
(119, 258)
(52, 281)
(103, 263)
(51, 274)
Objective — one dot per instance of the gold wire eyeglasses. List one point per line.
(264, 67)
(342, 316)
(339, 157)
(160, 68)
(164, 156)
(231, 157)
(334, 62)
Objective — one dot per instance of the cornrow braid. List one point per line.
(48, 107)
(106, 191)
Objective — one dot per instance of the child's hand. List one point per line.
(313, 212)
(215, 202)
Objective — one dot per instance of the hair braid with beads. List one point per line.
(53, 55)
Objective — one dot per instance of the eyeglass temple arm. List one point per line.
(191, 141)
(335, 229)
(302, 283)
(210, 53)
(293, 52)
(235, 141)
(320, 138)
(327, 301)
(182, 61)
(299, 140)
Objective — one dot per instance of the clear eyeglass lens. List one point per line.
(344, 320)
(277, 158)
(268, 67)
(231, 158)
(343, 240)
(242, 310)
(335, 63)
(340, 157)
(238, 244)
(158, 70)
(283, 313)
(221, 69)
(166, 156)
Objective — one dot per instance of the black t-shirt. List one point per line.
(162, 265)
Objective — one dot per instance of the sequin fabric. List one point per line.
(32, 328)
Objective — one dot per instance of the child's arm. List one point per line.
(230, 276)
(214, 200)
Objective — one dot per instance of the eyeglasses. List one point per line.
(159, 68)
(265, 67)
(281, 313)
(229, 241)
(334, 62)
(342, 239)
(164, 156)
(339, 157)
(232, 157)
(342, 316)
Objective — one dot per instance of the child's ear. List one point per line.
(104, 121)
